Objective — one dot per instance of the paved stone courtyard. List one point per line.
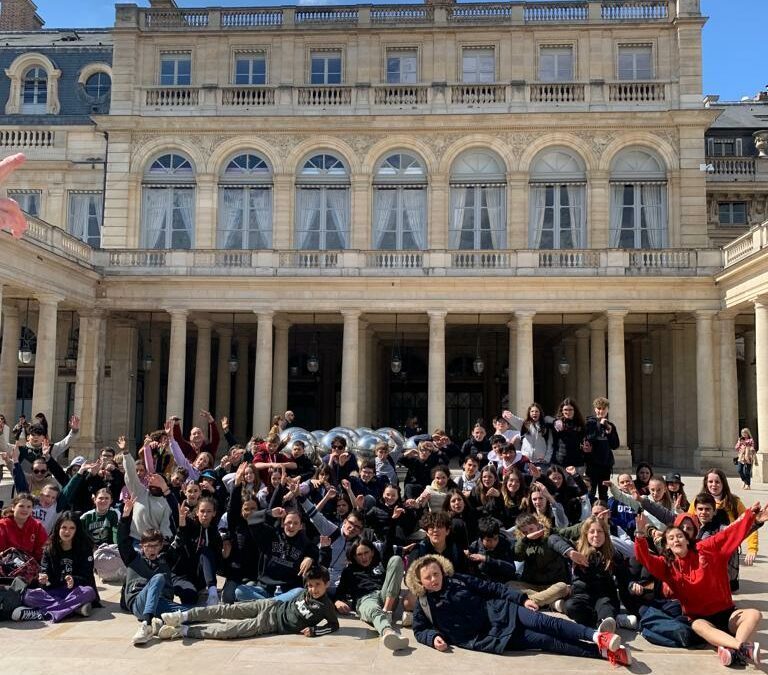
(102, 643)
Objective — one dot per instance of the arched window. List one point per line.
(478, 214)
(34, 97)
(638, 200)
(322, 204)
(557, 200)
(400, 203)
(245, 203)
(169, 203)
(97, 85)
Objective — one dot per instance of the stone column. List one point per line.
(729, 393)
(152, 384)
(583, 382)
(241, 391)
(9, 361)
(750, 381)
(570, 380)
(45, 358)
(597, 381)
(122, 354)
(262, 380)
(678, 387)
(524, 367)
(617, 382)
(349, 367)
(705, 383)
(202, 392)
(280, 368)
(512, 365)
(1, 308)
(761, 370)
(177, 360)
(363, 387)
(223, 376)
(89, 379)
(436, 382)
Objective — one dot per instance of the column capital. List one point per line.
(616, 314)
(705, 314)
(177, 313)
(264, 316)
(91, 313)
(727, 314)
(49, 298)
(581, 333)
(203, 323)
(351, 314)
(437, 315)
(224, 331)
(10, 308)
(525, 313)
(761, 301)
(281, 323)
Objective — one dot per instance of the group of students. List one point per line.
(526, 524)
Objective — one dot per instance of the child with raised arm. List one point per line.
(312, 614)
(697, 574)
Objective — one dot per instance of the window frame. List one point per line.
(731, 222)
(177, 57)
(324, 181)
(645, 46)
(557, 49)
(467, 50)
(250, 55)
(93, 241)
(325, 53)
(402, 53)
(249, 180)
(171, 179)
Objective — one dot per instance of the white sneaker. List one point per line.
(392, 641)
(559, 606)
(143, 634)
(171, 618)
(407, 619)
(157, 624)
(169, 632)
(213, 597)
(85, 610)
(628, 621)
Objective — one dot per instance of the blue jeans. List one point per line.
(246, 592)
(151, 602)
(535, 630)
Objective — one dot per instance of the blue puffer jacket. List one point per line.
(469, 613)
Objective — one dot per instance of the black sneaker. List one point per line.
(26, 614)
(750, 651)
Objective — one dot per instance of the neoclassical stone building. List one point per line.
(363, 213)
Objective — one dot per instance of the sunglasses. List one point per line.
(336, 446)
(40, 472)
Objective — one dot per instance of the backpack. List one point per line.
(108, 564)
(11, 598)
(18, 564)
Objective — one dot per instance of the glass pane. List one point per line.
(334, 70)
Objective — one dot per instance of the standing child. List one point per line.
(600, 440)
(746, 456)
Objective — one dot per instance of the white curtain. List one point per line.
(78, 224)
(230, 219)
(617, 212)
(494, 201)
(538, 213)
(261, 217)
(458, 200)
(414, 203)
(385, 203)
(308, 209)
(337, 216)
(156, 210)
(652, 209)
(576, 212)
(183, 237)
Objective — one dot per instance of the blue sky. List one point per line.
(734, 37)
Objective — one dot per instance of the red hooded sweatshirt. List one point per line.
(29, 538)
(699, 580)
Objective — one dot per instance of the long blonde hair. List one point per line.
(606, 551)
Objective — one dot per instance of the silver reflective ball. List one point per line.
(291, 431)
(363, 431)
(319, 433)
(392, 435)
(365, 445)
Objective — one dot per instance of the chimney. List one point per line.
(19, 15)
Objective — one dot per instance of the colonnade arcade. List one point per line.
(680, 385)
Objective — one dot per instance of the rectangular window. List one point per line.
(84, 218)
(724, 147)
(28, 200)
(732, 213)
(176, 69)
(250, 68)
(478, 65)
(636, 62)
(325, 67)
(402, 66)
(556, 64)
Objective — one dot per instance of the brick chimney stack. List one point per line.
(19, 15)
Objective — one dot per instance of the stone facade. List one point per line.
(402, 167)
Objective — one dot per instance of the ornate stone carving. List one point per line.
(598, 141)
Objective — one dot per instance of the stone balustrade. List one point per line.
(744, 246)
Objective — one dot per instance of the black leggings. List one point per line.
(535, 630)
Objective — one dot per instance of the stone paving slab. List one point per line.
(102, 643)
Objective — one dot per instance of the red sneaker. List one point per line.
(620, 657)
(727, 656)
(607, 643)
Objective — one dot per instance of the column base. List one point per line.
(760, 472)
(708, 458)
(622, 459)
(86, 447)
